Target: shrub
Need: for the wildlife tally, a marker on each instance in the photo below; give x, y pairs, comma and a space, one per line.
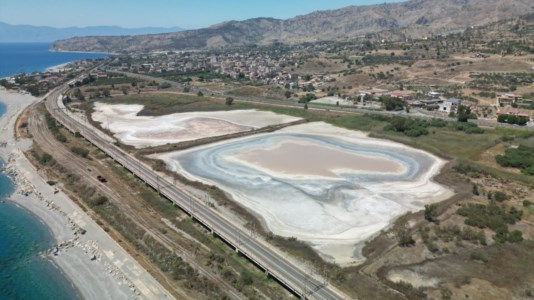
515, 236
500, 196
165, 85
431, 212
99, 201
405, 239
307, 98
60, 137
521, 158
45, 159
469, 128
80, 151
479, 256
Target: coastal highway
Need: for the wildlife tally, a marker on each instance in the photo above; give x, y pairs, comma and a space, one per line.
298, 281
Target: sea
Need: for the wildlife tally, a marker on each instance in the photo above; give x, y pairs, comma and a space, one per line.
18, 58
24, 272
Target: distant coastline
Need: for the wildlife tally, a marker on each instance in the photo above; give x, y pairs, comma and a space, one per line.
36, 57
82, 52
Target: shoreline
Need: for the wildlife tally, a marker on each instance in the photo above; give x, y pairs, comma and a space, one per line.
87, 52
57, 68
95, 264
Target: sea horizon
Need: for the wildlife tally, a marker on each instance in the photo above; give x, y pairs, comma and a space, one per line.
16, 58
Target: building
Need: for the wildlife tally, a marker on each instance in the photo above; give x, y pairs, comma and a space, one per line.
404, 95
508, 99
514, 113
450, 105
434, 95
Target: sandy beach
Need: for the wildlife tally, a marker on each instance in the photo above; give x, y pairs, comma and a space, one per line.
96, 265
58, 68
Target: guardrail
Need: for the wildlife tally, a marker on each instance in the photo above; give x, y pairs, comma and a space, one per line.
188, 204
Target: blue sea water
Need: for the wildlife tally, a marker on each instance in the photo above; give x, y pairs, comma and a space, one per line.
34, 57
24, 274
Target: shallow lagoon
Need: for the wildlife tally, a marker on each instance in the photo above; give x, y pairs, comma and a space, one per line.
331, 187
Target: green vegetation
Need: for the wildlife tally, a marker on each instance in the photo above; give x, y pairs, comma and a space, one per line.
454, 232
307, 98
156, 105
510, 119
494, 217
500, 196
464, 113
469, 128
80, 151
164, 85
521, 157
413, 127
405, 239
392, 103
44, 159
53, 126
501, 82
431, 212
115, 80
479, 256
387, 59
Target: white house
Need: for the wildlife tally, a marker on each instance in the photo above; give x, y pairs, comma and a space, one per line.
450, 105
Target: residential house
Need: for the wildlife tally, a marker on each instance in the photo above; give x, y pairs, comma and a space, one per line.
450, 106
507, 99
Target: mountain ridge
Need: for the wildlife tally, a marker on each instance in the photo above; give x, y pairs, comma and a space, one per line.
416, 18
28, 33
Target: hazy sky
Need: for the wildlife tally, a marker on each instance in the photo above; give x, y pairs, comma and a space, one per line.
160, 13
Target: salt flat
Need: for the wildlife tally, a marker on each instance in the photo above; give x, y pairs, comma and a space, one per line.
328, 186
144, 131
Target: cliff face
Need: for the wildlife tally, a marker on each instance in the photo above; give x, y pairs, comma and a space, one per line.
416, 18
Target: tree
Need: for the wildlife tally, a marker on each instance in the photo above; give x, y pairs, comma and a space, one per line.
391, 103
229, 101
305, 105
200, 94
464, 113
288, 94
307, 98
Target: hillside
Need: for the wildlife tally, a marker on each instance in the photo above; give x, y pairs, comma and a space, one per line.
416, 18
27, 33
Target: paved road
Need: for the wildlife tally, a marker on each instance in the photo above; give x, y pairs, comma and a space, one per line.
255, 249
